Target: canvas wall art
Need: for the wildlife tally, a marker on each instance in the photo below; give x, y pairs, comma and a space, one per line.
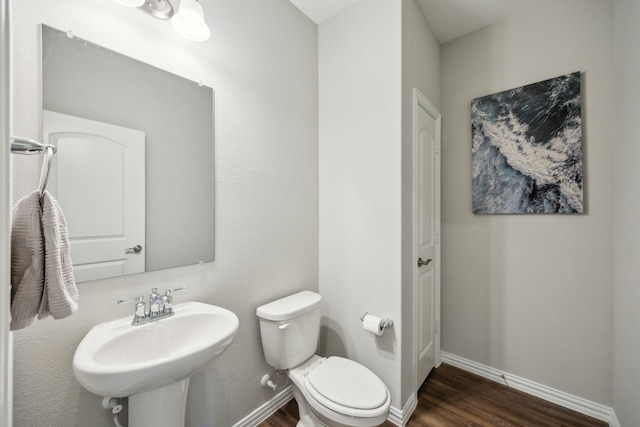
527, 149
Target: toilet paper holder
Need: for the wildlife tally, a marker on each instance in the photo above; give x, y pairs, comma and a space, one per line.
386, 323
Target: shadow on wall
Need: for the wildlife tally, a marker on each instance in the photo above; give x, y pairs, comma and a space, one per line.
331, 332
209, 389
385, 342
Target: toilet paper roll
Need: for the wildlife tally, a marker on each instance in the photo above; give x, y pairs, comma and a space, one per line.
373, 324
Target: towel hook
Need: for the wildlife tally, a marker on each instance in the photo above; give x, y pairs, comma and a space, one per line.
46, 166
21, 145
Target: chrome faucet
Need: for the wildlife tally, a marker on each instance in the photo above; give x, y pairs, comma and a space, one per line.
166, 300
160, 306
139, 314
154, 303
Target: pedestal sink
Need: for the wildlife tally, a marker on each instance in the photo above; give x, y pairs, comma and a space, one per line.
152, 363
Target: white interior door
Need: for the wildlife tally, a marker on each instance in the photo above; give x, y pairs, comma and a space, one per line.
426, 234
98, 177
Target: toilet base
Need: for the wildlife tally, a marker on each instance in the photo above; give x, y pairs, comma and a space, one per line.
306, 417
311, 418
305, 423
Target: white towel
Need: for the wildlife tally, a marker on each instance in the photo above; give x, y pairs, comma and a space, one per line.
27, 261
41, 268
60, 298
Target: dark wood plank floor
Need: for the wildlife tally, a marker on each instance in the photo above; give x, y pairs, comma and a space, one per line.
452, 397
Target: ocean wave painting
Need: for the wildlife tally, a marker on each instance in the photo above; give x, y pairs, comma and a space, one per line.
527, 149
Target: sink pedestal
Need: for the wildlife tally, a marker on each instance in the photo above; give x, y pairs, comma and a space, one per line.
162, 407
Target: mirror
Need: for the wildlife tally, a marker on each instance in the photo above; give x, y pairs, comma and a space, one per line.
158, 188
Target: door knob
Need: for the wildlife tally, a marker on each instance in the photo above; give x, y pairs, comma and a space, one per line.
421, 262
136, 249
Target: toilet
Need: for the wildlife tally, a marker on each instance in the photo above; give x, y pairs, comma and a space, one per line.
333, 391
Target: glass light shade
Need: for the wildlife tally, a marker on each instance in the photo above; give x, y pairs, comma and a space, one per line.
189, 21
130, 3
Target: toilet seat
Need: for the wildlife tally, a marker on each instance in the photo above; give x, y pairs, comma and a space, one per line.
348, 388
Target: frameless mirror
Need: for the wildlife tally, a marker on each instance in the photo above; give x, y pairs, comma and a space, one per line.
134, 168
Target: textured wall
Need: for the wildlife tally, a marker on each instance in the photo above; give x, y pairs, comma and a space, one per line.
421, 69
262, 63
531, 294
626, 375
360, 165
371, 57
5, 207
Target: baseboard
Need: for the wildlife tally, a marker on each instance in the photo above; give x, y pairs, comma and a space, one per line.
578, 404
401, 417
267, 409
396, 416
614, 420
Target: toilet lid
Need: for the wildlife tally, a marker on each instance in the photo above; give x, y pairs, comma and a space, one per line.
347, 383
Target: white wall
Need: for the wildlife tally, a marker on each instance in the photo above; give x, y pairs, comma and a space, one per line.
532, 294
262, 63
371, 56
528, 294
360, 190
626, 375
6, 354
421, 69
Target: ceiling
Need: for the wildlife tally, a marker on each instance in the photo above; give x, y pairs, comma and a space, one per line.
449, 19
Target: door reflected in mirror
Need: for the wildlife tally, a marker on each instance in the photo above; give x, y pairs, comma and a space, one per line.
135, 160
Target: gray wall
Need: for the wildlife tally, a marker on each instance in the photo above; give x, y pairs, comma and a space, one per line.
5, 208
531, 294
261, 61
359, 172
626, 375
366, 179
421, 69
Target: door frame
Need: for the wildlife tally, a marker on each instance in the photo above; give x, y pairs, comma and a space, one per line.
6, 351
421, 102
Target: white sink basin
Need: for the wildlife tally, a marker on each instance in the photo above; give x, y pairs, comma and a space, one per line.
117, 359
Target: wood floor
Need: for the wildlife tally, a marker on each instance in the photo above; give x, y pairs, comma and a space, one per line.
452, 397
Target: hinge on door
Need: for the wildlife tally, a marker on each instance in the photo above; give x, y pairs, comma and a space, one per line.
436, 327
437, 149
437, 237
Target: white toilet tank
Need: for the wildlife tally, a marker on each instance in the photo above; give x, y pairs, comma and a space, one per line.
289, 328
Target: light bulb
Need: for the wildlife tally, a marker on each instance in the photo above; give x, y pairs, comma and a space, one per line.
130, 3
189, 21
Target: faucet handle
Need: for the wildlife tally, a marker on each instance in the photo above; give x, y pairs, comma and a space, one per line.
140, 307
169, 292
166, 300
154, 302
137, 299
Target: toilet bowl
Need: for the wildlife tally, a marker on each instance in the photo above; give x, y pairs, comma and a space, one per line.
334, 391
339, 392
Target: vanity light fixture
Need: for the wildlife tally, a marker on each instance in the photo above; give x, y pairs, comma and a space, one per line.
130, 3
188, 21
